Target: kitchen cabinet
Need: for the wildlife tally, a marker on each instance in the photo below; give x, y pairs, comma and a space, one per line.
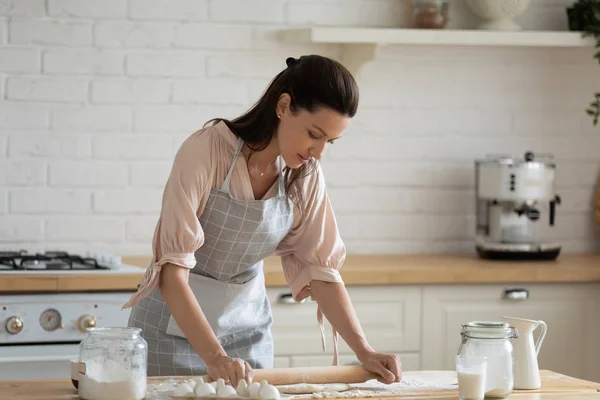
422, 323
389, 315
282, 362
569, 310
36, 361
410, 361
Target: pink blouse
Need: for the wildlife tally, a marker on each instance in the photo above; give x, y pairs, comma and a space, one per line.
312, 250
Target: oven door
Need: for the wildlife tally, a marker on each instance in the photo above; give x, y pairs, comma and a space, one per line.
45, 361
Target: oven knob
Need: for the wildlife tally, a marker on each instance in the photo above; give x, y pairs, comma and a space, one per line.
86, 321
14, 325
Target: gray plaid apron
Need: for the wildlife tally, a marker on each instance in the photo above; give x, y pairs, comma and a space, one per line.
228, 282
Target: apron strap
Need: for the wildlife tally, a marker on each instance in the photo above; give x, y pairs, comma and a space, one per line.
225, 187
324, 342
280, 179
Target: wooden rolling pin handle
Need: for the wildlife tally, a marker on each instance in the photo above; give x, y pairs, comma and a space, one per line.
288, 376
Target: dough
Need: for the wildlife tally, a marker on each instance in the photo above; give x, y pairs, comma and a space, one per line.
307, 388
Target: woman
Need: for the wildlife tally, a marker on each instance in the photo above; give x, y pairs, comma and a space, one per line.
239, 191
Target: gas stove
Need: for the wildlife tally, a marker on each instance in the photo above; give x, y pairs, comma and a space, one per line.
40, 332
21, 262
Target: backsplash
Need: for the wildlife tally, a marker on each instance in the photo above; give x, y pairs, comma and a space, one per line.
98, 95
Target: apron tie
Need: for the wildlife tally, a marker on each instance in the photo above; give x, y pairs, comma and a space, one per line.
147, 285
323, 341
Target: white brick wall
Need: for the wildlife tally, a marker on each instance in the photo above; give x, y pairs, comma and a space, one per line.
22, 173
252, 11
130, 91
97, 96
87, 174
84, 229
86, 8
180, 10
23, 8
71, 33
128, 201
46, 201
56, 90
19, 60
3, 201
29, 145
83, 62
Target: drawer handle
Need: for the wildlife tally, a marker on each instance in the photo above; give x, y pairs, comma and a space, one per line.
287, 298
515, 294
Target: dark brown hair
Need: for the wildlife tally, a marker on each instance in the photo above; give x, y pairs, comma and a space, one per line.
312, 81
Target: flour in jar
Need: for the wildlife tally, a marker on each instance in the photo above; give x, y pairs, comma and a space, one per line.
110, 380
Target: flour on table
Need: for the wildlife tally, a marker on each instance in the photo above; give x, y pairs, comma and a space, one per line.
413, 383
164, 389
308, 388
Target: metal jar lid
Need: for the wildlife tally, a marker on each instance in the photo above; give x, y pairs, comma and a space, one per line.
488, 330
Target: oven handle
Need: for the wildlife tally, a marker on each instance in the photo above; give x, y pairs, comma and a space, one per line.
38, 358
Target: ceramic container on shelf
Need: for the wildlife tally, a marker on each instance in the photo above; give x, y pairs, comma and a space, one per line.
430, 14
498, 15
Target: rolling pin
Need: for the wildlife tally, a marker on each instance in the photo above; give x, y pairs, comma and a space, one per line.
289, 376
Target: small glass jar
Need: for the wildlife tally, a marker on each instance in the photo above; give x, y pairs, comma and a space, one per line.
430, 14
113, 364
492, 340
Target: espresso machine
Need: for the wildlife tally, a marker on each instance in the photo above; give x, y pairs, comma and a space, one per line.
510, 194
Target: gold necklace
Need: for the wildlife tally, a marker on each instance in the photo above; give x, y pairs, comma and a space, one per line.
258, 171
247, 157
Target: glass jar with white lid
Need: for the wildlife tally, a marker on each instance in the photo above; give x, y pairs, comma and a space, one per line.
492, 340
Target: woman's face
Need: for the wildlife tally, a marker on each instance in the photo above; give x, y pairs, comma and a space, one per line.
304, 135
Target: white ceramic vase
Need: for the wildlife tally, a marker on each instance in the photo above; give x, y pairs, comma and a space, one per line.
498, 15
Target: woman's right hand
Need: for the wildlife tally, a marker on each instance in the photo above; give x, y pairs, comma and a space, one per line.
230, 369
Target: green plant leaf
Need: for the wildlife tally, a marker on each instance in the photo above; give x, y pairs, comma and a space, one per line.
587, 14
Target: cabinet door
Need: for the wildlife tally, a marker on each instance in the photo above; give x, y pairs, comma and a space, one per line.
567, 309
410, 361
282, 362
390, 317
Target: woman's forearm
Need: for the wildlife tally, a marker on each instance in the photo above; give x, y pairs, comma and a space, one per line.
188, 314
334, 301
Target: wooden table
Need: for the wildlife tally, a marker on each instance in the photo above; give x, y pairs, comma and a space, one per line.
554, 386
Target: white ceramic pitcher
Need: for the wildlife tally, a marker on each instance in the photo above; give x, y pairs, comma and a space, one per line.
527, 372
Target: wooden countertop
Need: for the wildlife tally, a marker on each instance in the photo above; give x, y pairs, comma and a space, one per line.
444, 269
554, 386
57, 283
357, 270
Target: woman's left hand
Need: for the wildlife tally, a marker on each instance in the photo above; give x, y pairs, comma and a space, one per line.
387, 366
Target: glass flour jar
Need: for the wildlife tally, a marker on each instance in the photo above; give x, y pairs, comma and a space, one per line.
113, 364
492, 340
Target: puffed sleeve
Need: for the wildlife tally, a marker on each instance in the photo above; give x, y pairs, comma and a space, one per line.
313, 249
178, 233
